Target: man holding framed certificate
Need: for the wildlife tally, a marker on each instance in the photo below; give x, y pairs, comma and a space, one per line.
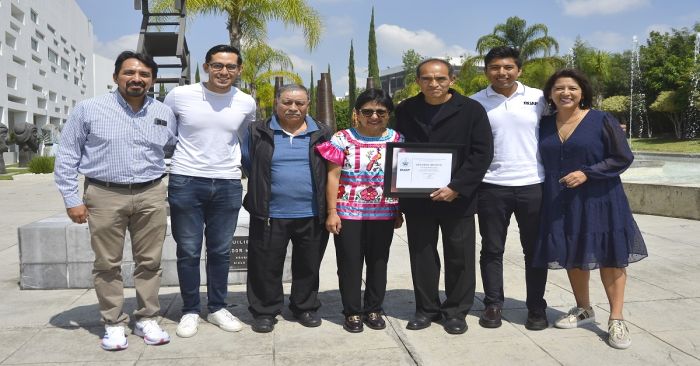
450, 127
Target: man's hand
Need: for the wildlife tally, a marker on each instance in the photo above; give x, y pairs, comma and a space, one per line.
573, 179
444, 194
78, 214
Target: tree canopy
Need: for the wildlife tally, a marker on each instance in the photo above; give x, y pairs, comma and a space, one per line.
531, 41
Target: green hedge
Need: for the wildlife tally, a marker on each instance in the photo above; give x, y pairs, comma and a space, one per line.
42, 164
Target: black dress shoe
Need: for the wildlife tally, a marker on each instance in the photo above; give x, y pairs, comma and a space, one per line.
264, 324
353, 324
455, 326
308, 319
491, 317
421, 322
536, 320
374, 320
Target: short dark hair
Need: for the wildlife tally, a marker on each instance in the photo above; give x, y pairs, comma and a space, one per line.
450, 68
144, 58
503, 52
581, 80
378, 96
223, 48
291, 87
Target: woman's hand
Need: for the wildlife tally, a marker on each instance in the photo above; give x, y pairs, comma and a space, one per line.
333, 224
573, 179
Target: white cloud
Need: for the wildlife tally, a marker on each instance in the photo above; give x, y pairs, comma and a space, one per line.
294, 41
609, 41
600, 7
113, 48
393, 41
339, 25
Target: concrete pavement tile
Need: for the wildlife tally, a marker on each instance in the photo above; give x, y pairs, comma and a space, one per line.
594, 350
84, 363
34, 308
670, 276
72, 345
349, 356
210, 341
685, 340
485, 352
12, 339
330, 337
231, 359
665, 315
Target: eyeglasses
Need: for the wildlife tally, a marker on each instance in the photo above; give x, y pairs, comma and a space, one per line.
216, 66
367, 112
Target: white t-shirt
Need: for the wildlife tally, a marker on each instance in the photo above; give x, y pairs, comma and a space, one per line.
515, 126
209, 126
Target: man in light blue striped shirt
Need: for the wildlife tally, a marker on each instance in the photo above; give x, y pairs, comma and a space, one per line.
116, 141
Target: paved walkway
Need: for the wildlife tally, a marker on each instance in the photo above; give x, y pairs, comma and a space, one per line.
662, 308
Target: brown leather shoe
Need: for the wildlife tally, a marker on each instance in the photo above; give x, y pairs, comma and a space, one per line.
374, 320
491, 317
353, 324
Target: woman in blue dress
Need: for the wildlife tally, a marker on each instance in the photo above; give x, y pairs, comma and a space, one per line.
586, 220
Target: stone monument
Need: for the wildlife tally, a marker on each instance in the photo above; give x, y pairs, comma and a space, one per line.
27, 140
3, 147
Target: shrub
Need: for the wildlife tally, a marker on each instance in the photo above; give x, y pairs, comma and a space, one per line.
41, 164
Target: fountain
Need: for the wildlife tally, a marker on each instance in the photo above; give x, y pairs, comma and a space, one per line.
570, 59
639, 120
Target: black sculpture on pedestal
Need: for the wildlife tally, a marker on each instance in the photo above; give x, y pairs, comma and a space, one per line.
27, 140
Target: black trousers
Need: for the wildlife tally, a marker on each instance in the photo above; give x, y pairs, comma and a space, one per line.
495, 206
368, 242
458, 243
267, 248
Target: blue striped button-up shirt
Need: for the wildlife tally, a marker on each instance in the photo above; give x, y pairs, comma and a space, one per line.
104, 139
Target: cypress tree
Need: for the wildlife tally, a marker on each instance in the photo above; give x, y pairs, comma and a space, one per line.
196, 74
352, 87
372, 62
312, 94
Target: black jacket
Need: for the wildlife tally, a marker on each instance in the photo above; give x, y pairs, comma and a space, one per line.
460, 121
260, 148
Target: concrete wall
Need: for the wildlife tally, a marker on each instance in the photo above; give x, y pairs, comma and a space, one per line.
664, 200
55, 253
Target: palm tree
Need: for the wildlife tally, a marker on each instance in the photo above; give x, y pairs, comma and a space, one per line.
531, 40
247, 19
260, 59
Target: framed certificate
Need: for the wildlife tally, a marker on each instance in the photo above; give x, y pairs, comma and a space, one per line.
418, 169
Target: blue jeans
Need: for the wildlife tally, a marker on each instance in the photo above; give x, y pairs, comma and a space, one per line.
209, 206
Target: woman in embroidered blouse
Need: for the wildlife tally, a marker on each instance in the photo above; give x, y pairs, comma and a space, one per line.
360, 217
586, 220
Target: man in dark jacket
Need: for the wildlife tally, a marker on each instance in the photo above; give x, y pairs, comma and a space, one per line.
441, 115
286, 201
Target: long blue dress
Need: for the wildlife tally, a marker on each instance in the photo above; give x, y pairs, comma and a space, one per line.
589, 226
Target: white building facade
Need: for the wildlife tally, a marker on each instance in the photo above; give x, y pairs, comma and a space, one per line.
46, 62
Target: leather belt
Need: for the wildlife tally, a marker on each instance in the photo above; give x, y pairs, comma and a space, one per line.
123, 185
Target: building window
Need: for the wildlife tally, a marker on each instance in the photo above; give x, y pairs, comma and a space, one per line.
75, 80
35, 44
53, 56
33, 16
10, 40
42, 73
50, 28
65, 66
52, 96
14, 27
41, 103
39, 35
36, 59
53, 69
82, 59
17, 14
18, 60
11, 81
64, 41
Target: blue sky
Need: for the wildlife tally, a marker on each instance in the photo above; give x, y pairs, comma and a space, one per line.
433, 28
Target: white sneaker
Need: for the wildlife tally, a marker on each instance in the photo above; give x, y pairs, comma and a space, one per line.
114, 338
225, 320
618, 334
151, 332
575, 318
188, 325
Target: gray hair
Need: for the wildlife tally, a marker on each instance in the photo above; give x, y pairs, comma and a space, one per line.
291, 87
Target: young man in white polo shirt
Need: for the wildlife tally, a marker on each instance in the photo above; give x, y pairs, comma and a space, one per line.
512, 185
205, 188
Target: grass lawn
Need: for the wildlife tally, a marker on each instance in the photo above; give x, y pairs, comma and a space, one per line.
668, 145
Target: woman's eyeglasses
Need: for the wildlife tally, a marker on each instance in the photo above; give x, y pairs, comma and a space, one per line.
367, 112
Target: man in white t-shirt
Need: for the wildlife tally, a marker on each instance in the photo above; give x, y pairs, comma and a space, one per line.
205, 188
512, 184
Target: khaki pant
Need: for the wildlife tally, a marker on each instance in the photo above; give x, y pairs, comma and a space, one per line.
111, 211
